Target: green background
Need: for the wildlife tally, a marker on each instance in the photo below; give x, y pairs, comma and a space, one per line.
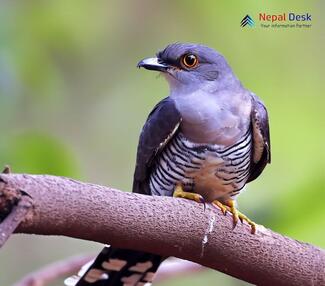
72, 103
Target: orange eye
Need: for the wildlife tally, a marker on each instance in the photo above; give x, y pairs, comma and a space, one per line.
190, 61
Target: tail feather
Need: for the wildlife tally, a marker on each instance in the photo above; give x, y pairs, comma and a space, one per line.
121, 267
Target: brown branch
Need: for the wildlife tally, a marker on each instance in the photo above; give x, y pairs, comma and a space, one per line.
169, 227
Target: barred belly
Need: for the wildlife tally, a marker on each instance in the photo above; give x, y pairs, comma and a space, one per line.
215, 172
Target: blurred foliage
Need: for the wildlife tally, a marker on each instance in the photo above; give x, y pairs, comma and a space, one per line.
72, 103
38, 153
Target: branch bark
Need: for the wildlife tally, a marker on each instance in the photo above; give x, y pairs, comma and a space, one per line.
166, 226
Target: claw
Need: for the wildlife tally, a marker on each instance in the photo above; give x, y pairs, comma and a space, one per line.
243, 218
180, 193
237, 215
222, 207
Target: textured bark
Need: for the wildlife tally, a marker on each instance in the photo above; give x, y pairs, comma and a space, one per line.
169, 227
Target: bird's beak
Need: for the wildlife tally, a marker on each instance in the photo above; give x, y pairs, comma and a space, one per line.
152, 64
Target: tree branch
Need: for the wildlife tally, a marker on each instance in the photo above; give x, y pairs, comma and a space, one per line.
166, 226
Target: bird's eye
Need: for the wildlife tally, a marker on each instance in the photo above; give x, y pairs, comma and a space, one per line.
189, 61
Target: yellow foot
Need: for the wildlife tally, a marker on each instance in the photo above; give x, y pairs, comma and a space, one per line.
180, 193
223, 207
237, 215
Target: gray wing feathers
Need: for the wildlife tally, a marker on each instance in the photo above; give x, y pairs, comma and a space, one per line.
261, 138
161, 125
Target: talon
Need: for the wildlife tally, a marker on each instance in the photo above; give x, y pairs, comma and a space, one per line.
238, 215
180, 193
202, 200
222, 207
243, 218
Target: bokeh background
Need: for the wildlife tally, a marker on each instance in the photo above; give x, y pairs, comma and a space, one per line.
72, 103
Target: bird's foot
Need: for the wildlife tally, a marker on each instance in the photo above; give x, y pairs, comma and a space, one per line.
180, 193
223, 207
229, 206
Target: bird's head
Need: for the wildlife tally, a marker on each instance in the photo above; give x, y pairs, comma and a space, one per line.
191, 65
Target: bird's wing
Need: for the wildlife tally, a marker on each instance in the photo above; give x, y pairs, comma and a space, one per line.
160, 127
261, 138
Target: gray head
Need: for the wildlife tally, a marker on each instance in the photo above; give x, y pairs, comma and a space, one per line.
191, 65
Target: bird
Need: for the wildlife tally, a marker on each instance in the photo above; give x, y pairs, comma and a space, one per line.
203, 142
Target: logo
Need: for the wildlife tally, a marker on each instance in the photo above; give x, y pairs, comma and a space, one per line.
275, 21
247, 20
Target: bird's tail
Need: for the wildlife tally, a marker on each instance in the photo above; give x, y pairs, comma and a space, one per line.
119, 267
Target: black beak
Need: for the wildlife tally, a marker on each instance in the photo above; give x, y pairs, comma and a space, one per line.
152, 64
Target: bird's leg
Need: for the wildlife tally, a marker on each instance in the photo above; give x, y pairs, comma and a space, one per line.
180, 193
238, 215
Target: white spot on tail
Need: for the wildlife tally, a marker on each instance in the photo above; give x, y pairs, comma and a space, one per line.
73, 280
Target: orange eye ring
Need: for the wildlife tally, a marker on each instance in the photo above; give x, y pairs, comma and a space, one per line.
190, 61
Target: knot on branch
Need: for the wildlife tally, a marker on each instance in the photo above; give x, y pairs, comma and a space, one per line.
9, 197
14, 206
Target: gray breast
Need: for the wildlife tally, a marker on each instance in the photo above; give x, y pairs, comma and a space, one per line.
215, 172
